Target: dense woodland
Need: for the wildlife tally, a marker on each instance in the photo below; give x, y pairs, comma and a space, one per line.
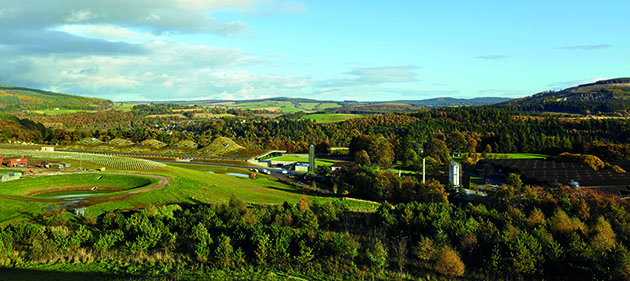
464, 129
523, 232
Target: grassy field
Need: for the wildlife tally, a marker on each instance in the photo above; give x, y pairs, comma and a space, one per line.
331, 118
33, 185
308, 105
58, 111
126, 107
327, 105
303, 159
285, 107
190, 184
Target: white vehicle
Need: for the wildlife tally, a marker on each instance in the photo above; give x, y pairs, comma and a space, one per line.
266, 172
284, 172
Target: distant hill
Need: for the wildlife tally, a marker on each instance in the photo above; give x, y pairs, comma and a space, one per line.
14, 98
602, 97
289, 105
444, 102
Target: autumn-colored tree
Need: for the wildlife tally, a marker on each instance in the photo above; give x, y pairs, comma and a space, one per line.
603, 235
449, 263
488, 149
303, 204
432, 191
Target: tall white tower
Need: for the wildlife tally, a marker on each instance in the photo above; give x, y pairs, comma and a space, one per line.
455, 173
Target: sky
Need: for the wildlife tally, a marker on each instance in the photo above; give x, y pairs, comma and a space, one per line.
374, 50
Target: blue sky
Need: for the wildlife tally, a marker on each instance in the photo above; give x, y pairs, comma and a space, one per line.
333, 50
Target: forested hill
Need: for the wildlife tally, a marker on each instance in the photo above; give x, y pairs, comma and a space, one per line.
445, 102
14, 98
15, 129
602, 97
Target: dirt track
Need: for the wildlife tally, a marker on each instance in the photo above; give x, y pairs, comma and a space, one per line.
92, 200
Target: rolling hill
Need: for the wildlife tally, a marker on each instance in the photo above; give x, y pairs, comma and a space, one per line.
290, 105
14, 98
602, 97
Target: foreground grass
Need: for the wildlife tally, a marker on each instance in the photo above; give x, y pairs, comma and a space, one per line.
103, 272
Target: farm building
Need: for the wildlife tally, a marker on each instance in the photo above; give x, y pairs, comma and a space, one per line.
17, 162
10, 177
47, 148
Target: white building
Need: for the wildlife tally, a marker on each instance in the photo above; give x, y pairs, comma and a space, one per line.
455, 174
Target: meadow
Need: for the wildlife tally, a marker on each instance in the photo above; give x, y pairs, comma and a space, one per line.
331, 117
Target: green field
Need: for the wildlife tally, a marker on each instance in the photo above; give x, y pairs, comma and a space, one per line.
190, 184
284, 107
308, 105
58, 111
327, 105
33, 185
126, 107
331, 117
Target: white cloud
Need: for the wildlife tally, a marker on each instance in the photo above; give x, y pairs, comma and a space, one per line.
81, 15
559, 85
107, 32
586, 47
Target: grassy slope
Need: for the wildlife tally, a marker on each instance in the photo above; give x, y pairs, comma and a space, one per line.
38, 99
202, 187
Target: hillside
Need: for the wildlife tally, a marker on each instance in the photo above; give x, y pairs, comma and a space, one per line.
602, 97
14, 129
14, 98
